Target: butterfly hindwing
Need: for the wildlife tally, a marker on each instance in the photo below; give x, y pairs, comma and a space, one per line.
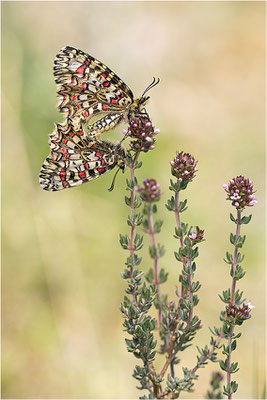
75, 160
55, 175
87, 87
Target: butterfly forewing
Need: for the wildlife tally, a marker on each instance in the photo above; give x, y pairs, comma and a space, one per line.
87, 87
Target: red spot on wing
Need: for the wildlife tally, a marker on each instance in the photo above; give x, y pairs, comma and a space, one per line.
64, 141
67, 156
74, 97
105, 107
81, 174
106, 83
104, 75
114, 101
79, 106
86, 113
71, 134
100, 169
86, 165
65, 183
84, 85
62, 174
64, 150
80, 133
81, 69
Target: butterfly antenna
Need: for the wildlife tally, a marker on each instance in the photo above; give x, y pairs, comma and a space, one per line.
151, 85
113, 181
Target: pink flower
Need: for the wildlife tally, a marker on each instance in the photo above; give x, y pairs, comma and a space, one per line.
240, 192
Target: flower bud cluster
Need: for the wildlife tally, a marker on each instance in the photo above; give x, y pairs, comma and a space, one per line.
151, 190
238, 314
183, 167
196, 235
141, 129
240, 192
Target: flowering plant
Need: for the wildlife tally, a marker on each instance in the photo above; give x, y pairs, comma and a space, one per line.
177, 323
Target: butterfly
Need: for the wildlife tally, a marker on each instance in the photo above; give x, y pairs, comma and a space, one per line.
86, 88
75, 158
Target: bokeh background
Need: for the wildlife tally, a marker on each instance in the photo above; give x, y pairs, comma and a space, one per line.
61, 286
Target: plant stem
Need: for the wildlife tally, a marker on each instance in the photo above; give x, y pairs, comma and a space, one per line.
178, 222
238, 227
208, 356
156, 262
232, 301
169, 359
133, 228
190, 293
177, 214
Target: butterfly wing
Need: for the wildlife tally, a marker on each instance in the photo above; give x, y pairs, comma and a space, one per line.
74, 159
56, 175
87, 87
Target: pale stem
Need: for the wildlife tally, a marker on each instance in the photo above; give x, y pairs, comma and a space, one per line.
178, 222
133, 228
156, 261
208, 356
190, 292
232, 301
156, 386
188, 262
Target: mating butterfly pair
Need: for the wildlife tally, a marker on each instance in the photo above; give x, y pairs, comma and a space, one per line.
86, 88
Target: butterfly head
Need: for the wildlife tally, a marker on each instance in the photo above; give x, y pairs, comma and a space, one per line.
143, 100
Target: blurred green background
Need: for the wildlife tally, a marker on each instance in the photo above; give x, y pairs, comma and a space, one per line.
61, 286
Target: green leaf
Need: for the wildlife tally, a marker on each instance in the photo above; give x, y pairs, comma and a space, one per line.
233, 218
234, 368
233, 346
223, 365
125, 241
153, 252
157, 226
170, 204
229, 258
163, 276
246, 220
128, 201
